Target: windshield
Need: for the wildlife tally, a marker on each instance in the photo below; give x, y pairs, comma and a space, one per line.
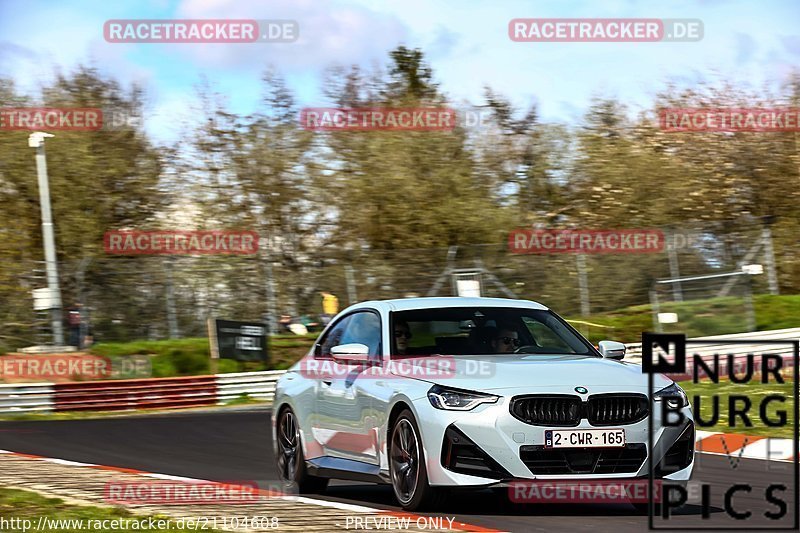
484, 330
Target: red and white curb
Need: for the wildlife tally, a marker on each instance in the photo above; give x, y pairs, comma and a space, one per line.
746, 446
713, 443
350, 508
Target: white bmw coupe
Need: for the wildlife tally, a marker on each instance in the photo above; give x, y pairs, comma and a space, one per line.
428, 394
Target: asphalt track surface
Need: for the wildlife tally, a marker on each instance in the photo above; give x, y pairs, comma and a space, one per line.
235, 445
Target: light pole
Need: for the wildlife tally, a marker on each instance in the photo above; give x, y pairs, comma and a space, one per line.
36, 140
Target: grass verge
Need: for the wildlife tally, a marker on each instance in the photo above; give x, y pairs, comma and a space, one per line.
756, 392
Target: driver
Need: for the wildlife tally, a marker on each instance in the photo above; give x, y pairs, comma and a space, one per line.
505, 341
402, 333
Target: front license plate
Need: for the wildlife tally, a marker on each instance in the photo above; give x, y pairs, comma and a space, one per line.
584, 438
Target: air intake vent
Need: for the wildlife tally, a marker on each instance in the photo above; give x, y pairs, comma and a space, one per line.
679, 455
565, 410
616, 409
549, 461
562, 410
460, 454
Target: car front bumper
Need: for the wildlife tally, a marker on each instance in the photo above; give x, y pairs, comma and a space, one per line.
502, 437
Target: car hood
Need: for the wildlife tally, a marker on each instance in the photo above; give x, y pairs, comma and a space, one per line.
523, 371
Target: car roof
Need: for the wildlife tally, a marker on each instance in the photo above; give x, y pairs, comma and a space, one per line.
408, 304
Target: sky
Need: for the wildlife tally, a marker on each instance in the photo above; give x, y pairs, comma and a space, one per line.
755, 44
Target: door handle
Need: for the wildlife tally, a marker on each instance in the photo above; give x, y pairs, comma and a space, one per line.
327, 382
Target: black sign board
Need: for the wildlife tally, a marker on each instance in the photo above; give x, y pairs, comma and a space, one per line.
243, 341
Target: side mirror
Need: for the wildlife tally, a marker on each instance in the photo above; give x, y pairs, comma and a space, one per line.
611, 349
351, 353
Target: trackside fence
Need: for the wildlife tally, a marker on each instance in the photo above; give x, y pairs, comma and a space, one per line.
720, 345
133, 394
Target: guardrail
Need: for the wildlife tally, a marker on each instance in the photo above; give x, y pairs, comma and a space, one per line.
634, 350
21, 397
132, 394
258, 385
125, 394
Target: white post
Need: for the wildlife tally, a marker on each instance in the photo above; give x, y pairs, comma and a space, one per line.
583, 284
674, 270
272, 325
769, 259
172, 313
36, 140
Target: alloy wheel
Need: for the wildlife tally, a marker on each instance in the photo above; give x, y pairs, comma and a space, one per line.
404, 460
288, 440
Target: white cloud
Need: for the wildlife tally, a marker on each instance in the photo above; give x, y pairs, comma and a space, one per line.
465, 42
330, 33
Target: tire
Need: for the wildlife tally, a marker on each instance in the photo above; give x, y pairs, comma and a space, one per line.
289, 458
408, 473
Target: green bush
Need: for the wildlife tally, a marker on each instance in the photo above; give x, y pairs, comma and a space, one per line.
163, 367
190, 357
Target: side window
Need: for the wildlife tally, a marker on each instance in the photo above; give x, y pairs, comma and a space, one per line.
334, 336
364, 328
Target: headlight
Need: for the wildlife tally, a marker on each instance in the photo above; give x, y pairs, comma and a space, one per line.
673, 394
458, 400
